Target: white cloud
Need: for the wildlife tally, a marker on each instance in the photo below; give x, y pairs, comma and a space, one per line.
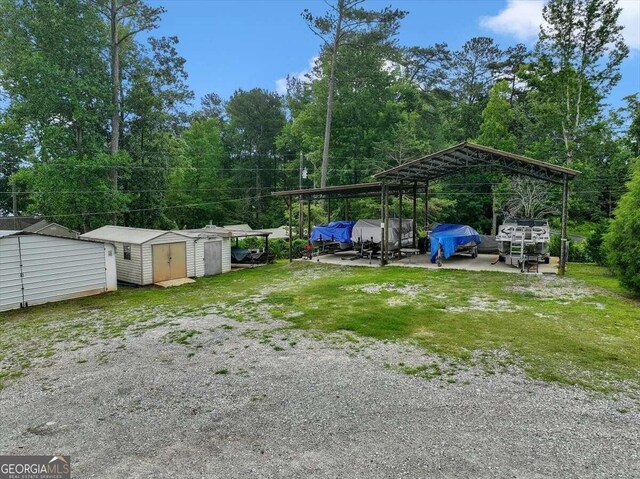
281, 83
522, 19
630, 18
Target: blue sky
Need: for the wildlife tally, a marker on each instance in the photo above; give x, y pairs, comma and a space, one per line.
253, 43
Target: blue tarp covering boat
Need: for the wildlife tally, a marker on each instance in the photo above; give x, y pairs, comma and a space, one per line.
339, 231
449, 237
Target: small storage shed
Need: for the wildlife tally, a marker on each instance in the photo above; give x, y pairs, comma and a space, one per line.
51, 229
212, 250
37, 268
146, 256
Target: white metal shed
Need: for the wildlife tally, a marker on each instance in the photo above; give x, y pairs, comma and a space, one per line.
146, 256
212, 250
37, 268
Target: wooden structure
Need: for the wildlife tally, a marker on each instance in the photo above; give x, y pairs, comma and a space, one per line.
457, 159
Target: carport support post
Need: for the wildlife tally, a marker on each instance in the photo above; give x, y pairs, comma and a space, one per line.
563, 228
400, 195
385, 239
290, 235
384, 223
300, 217
381, 224
309, 217
415, 193
426, 206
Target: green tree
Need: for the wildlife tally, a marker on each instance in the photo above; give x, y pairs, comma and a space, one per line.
497, 117
14, 151
621, 242
202, 183
579, 53
471, 78
125, 19
74, 192
54, 76
344, 21
153, 101
495, 132
256, 117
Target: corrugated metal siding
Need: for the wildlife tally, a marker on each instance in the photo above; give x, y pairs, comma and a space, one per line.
10, 282
55, 268
52, 269
129, 270
226, 255
147, 255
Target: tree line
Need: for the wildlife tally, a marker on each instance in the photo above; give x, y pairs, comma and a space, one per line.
97, 124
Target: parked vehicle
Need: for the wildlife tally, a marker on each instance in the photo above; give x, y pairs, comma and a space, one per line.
523, 240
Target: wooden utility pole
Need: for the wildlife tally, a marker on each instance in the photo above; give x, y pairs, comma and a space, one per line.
14, 196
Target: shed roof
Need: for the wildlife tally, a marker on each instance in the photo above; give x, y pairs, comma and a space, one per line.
17, 222
124, 234
238, 227
282, 232
6, 233
35, 227
205, 233
465, 155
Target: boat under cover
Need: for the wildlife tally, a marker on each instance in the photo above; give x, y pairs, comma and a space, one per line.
449, 237
338, 231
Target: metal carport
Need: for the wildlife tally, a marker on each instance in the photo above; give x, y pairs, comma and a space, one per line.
450, 161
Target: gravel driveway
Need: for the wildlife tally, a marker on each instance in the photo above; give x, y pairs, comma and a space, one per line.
239, 400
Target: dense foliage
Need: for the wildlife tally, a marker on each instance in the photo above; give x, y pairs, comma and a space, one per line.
621, 242
159, 162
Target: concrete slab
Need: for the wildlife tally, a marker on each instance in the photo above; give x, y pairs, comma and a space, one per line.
175, 282
484, 262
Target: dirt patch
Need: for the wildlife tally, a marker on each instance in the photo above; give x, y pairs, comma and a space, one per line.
552, 288
409, 290
485, 303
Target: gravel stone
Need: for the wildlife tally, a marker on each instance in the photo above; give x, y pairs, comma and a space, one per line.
142, 407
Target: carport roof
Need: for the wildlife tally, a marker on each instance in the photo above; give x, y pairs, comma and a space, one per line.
465, 155
342, 191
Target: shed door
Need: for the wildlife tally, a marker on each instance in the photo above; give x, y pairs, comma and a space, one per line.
169, 261
212, 258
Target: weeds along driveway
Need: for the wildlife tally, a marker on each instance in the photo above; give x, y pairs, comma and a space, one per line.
199, 394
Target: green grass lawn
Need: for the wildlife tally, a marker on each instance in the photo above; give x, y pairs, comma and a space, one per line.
581, 329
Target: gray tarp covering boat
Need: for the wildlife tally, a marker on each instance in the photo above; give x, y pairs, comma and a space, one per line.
369, 231
489, 245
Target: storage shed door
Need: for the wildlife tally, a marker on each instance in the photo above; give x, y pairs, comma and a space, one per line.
169, 261
212, 258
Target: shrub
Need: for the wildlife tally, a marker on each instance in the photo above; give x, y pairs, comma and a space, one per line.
279, 247
593, 245
577, 251
622, 242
